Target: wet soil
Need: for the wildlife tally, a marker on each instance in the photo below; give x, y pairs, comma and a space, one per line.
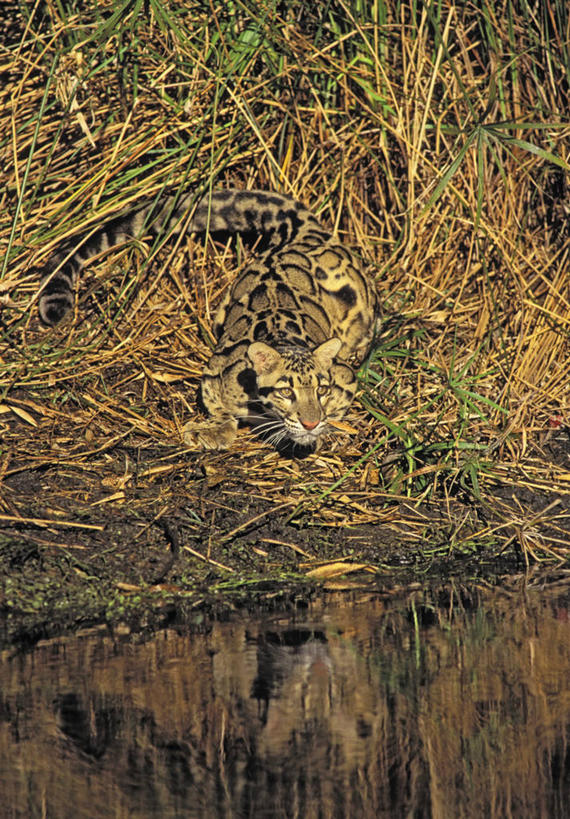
73, 551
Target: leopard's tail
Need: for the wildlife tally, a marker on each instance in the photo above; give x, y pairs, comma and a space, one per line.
278, 219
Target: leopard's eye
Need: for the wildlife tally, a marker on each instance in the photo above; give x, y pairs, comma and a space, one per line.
285, 392
323, 389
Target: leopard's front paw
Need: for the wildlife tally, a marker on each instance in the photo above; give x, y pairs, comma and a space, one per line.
210, 435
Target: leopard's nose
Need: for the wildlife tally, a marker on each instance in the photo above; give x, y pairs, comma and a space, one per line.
309, 424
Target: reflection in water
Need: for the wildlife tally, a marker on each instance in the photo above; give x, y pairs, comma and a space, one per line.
444, 704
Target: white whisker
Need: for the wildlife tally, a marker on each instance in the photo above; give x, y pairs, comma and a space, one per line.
277, 431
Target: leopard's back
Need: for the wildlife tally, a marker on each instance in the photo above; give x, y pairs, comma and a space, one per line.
306, 290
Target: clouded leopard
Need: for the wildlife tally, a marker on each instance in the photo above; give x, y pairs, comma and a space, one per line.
290, 328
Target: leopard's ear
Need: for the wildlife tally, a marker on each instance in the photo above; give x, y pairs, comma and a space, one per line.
325, 352
264, 358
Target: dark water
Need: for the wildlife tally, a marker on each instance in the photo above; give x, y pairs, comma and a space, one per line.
444, 703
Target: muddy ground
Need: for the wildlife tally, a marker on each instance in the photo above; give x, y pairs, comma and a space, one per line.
127, 539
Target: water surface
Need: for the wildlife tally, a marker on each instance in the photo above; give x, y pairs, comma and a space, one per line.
447, 703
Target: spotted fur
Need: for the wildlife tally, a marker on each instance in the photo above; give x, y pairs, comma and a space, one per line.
289, 331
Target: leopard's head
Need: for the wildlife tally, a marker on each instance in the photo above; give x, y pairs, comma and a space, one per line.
299, 391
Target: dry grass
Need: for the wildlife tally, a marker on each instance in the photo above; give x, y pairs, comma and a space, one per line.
436, 144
